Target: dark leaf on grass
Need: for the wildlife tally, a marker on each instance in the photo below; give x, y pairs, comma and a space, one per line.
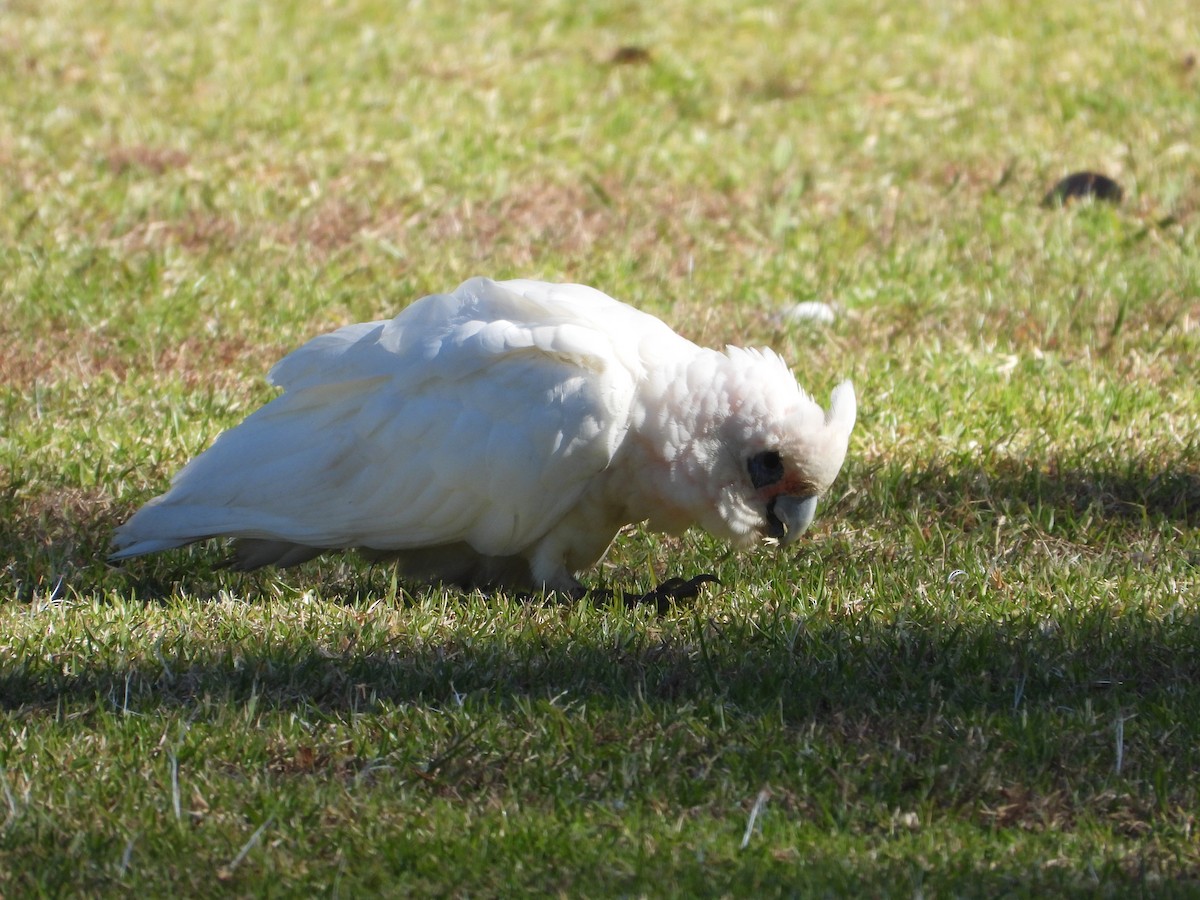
630, 55
1083, 184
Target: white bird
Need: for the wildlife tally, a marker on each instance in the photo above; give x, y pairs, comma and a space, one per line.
502, 435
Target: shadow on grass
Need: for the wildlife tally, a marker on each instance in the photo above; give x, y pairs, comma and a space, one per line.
798, 666
1133, 493
778, 663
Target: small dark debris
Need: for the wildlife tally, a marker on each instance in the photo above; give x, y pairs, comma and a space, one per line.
662, 598
630, 55
671, 592
1083, 184
1188, 63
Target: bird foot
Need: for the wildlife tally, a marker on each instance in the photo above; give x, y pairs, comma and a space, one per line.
663, 597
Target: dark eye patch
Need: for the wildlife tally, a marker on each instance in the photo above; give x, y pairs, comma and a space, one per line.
765, 468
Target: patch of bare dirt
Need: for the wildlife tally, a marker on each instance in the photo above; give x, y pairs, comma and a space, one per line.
198, 231
1017, 806
665, 226
52, 358
529, 223
155, 160
658, 223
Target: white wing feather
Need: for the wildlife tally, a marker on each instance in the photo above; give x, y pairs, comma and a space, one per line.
477, 417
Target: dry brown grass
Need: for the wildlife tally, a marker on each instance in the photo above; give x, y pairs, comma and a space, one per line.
661, 225
153, 160
59, 357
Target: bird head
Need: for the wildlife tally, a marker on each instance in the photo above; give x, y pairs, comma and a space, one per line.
804, 458
773, 451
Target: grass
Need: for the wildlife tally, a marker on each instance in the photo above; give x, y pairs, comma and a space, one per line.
978, 677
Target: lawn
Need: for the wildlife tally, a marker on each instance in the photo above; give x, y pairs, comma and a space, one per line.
978, 675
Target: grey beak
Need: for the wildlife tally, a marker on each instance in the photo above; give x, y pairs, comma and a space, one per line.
792, 515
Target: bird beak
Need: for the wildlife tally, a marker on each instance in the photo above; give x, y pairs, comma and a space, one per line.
789, 517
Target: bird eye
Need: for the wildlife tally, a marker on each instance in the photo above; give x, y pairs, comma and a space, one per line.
765, 468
